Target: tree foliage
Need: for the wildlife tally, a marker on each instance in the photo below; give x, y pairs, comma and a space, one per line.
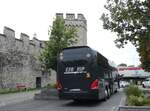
130, 20
61, 37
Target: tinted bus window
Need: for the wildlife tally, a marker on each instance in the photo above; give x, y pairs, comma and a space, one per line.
76, 54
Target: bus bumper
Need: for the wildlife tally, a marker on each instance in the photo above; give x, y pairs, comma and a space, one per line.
92, 95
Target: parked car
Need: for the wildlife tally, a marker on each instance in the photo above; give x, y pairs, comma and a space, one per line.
146, 83
124, 84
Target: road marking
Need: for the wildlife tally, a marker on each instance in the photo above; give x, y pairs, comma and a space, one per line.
122, 101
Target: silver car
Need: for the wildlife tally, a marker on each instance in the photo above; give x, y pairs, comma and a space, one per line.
146, 83
124, 84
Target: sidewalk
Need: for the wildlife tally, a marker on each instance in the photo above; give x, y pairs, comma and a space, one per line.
6, 99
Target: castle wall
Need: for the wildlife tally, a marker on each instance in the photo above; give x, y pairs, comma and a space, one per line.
2, 41
19, 60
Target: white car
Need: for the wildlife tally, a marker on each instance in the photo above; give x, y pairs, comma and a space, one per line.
124, 83
146, 83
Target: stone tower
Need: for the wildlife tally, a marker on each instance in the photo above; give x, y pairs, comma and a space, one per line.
79, 23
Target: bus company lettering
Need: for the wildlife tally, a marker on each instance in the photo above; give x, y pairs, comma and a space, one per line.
74, 70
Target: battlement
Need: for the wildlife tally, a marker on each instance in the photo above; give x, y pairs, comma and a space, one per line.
24, 44
81, 17
59, 15
24, 36
71, 16
9, 32
72, 20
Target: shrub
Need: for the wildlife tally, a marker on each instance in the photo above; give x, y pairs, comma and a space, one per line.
138, 101
135, 96
14, 90
30, 89
135, 101
51, 86
133, 90
8, 90
147, 101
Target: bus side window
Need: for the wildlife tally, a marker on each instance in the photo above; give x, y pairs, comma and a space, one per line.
100, 71
106, 75
110, 74
115, 76
102, 75
99, 68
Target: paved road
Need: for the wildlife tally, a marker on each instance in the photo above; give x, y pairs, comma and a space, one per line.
65, 105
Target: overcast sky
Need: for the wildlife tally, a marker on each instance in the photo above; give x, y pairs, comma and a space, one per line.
35, 16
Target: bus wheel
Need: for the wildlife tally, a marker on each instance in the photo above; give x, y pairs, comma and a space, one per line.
106, 95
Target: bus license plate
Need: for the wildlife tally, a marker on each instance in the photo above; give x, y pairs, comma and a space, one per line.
75, 89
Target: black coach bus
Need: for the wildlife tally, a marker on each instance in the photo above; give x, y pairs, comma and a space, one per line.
83, 73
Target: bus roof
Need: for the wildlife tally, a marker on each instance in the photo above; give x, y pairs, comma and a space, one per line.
98, 54
74, 47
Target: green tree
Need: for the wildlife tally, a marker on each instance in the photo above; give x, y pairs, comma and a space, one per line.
130, 20
60, 36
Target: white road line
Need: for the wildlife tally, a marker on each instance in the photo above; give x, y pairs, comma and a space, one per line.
122, 101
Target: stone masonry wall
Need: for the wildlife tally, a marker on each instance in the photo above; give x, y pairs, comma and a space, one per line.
19, 60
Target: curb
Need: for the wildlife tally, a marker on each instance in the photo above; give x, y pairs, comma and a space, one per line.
134, 108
